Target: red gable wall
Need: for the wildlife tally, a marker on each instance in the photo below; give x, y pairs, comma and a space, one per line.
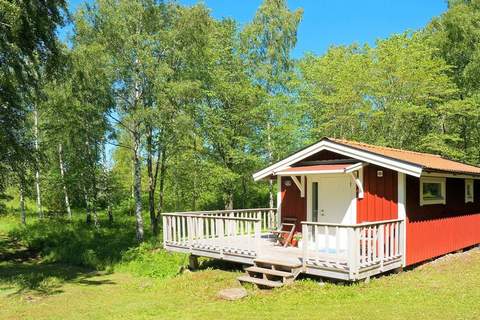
380, 195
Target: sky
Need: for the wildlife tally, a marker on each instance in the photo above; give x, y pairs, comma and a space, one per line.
326, 23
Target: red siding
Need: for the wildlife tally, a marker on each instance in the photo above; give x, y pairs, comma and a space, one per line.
380, 195
293, 206
434, 230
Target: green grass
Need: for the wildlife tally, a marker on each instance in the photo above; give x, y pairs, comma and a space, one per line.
143, 285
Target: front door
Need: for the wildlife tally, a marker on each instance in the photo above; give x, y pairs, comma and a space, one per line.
332, 199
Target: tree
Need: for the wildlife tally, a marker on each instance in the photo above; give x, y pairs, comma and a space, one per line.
455, 36
267, 44
27, 43
392, 94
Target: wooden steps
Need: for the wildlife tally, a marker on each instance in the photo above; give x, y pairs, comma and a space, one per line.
260, 282
271, 273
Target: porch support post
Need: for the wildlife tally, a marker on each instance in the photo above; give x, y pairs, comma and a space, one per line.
279, 201
193, 262
402, 214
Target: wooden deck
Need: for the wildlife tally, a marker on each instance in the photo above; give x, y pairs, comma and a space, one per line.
347, 252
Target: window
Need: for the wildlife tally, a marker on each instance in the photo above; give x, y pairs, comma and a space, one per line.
468, 190
432, 191
315, 201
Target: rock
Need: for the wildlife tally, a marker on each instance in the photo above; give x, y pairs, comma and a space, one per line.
232, 294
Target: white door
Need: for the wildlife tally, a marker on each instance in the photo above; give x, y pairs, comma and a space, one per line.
331, 200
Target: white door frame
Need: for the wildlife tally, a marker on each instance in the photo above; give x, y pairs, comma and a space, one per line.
351, 215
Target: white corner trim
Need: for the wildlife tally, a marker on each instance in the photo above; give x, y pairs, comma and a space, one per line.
402, 212
279, 201
400, 166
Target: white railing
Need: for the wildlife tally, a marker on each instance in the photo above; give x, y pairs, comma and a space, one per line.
268, 216
234, 230
360, 245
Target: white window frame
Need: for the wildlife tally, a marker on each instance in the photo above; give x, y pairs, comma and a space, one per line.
442, 190
467, 198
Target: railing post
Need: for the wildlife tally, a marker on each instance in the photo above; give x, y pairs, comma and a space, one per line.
257, 235
190, 231
381, 245
164, 226
353, 248
401, 239
304, 245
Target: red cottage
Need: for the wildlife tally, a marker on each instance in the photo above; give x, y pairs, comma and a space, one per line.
345, 210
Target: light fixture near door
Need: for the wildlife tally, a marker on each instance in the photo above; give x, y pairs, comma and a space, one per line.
379, 173
288, 183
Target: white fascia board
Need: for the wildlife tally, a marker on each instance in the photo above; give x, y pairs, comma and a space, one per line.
400, 166
305, 173
285, 163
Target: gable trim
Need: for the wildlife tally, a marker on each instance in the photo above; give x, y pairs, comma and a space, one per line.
325, 144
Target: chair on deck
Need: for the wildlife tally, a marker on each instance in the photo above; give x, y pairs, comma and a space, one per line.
286, 228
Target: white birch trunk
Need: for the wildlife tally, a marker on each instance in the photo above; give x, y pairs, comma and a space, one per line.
62, 174
37, 171
137, 185
22, 204
270, 160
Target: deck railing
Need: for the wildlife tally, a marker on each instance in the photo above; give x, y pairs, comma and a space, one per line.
199, 228
360, 245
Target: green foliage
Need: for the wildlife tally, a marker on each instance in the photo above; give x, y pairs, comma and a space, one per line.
76, 243
151, 261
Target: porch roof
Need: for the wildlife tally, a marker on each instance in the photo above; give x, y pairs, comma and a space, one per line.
321, 168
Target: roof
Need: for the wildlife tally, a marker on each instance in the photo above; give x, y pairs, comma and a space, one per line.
404, 161
427, 160
319, 168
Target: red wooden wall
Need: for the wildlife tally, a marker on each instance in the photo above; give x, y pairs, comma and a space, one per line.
434, 230
294, 206
380, 195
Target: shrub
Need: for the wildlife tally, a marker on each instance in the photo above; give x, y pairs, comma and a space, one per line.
152, 261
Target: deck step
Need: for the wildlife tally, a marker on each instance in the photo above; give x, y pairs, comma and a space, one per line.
260, 282
272, 272
285, 263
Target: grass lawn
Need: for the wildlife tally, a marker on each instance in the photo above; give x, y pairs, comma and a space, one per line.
448, 288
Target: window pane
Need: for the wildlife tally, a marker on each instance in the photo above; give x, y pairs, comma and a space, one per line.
469, 190
315, 201
432, 191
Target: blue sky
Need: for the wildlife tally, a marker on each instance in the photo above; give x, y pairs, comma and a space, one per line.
327, 23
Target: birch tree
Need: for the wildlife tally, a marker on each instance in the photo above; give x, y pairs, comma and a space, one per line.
267, 44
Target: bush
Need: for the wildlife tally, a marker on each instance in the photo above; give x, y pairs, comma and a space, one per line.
152, 261
77, 243
109, 247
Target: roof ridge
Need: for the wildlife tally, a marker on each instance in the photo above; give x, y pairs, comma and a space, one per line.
385, 147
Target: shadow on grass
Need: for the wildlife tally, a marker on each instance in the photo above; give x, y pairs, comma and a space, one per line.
46, 279
220, 265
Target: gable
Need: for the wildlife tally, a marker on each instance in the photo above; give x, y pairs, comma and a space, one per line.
329, 147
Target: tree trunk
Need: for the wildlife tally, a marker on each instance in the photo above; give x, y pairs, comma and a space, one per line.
37, 167
163, 168
137, 186
151, 182
110, 214
88, 217
62, 173
270, 160
229, 200
23, 215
